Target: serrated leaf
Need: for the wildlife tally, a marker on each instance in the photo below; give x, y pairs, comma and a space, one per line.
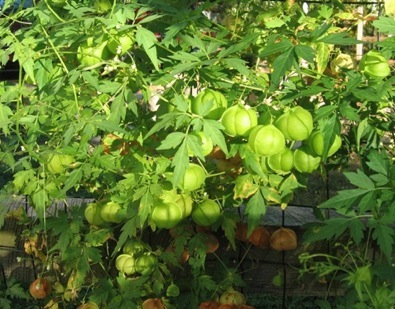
255, 209
22, 177
361, 129
5, 113
40, 202
308, 92
181, 103
147, 40
341, 38
384, 235
331, 228
378, 162
330, 127
244, 187
306, 52
169, 196
165, 121
271, 195
349, 112
108, 126
73, 179
145, 207
320, 31
229, 226
385, 24
281, 65
213, 130
274, 22
289, 185
195, 146
118, 109
173, 30
343, 198
235, 48
360, 179
368, 202
274, 46
172, 141
128, 231
379, 179
322, 57
238, 64
180, 163
357, 230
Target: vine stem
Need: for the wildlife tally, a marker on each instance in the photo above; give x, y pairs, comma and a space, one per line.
53, 12
63, 65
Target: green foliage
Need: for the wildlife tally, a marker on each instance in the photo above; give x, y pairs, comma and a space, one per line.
126, 122
366, 218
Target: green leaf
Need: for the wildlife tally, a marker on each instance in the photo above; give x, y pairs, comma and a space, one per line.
173, 140
128, 231
92, 254
357, 229
164, 122
275, 22
195, 146
145, 207
108, 126
184, 67
213, 129
5, 303
326, 11
238, 64
384, 235
368, 202
305, 52
40, 202
281, 65
340, 38
147, 40
331, 228
344, 198
385, 24
380, 179
289, 184
185, 57
378, 162
308, 92
23, 177
229, 226
360, 179
348, 111
180, 163
173, 30
255, 209
118, 109
17, 291
5, 113
361, 129
330, 127
274, 46
235, 48
73, 180
318, 32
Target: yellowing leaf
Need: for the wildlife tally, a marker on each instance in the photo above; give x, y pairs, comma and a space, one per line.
245, 187
389, 6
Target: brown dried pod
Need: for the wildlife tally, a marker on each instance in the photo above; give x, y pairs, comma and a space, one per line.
283, 239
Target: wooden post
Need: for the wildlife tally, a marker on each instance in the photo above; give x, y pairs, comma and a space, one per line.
359, 47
